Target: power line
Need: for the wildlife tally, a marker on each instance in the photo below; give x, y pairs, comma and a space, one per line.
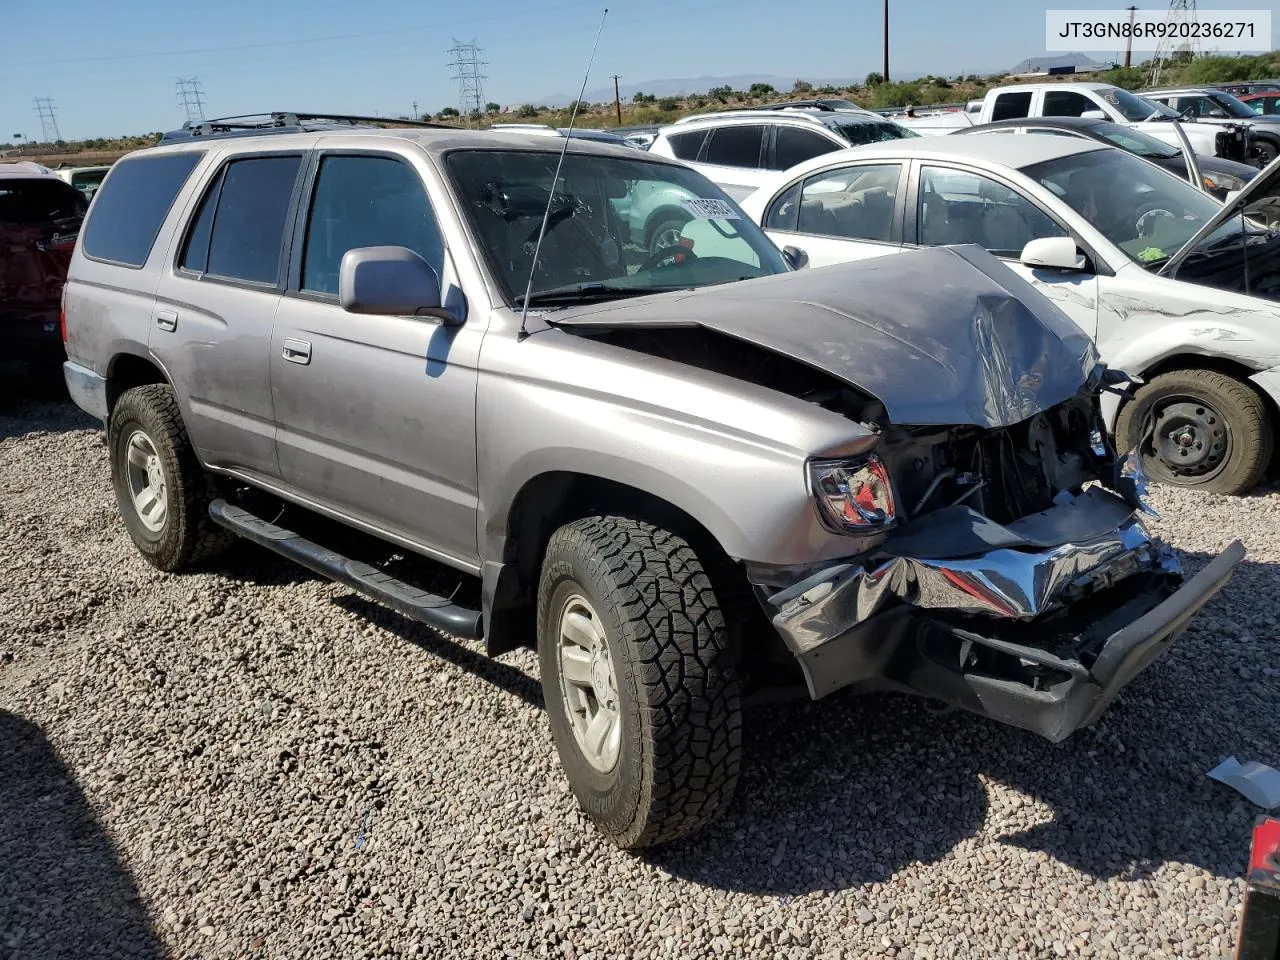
191, 96
48, 121
466, 70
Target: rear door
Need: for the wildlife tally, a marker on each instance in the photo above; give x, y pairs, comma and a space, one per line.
376, 415
733, 158
957, 205
216, 303
853, 212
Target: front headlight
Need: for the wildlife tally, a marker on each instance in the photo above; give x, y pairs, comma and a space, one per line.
854, 496
1222, 181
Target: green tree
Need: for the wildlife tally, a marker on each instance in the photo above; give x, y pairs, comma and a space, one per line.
723, 94
802, 86
668, 103
492, 107
874, 79
527, 110
449, 112
1130, 78
760, 90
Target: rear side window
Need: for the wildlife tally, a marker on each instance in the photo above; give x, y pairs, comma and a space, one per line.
38, 201
794, 145
685, 146
239, 230
132, 204
736, 146
1011, 106
366, 202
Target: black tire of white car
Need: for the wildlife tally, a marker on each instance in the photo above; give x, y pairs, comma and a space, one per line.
665, 659
146, 421
660, 237
1265, 151
1208, 408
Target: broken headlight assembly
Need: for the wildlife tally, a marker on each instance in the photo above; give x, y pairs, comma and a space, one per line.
853, 496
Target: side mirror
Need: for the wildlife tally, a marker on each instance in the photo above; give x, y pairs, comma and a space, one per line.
796, 258
1053, 253
391, 282
1093, 115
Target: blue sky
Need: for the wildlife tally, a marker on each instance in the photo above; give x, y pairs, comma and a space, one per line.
111, 69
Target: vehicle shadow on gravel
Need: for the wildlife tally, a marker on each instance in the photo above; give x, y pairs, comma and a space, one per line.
846, 792
63, 891
21, 415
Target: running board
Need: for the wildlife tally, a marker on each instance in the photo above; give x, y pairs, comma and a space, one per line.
434, 611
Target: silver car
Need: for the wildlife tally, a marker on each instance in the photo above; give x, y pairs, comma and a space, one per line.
683, 475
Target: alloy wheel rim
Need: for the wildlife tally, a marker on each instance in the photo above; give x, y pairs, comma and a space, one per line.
148, 488
589, 684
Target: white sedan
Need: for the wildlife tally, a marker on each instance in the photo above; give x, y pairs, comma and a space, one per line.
1176, 288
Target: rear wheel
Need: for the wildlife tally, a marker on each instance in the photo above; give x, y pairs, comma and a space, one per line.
639, 678
162, 490
1199, 428
1264, 151
666, 234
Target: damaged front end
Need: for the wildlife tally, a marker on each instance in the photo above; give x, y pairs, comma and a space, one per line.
1005, 570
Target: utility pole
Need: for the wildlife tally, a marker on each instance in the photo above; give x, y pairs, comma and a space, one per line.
886, 42
1128, 49
617, 100
415, 110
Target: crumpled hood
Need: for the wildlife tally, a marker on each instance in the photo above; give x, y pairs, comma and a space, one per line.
948, 335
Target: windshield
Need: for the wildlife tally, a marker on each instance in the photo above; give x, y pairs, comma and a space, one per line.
1135, 108
1135, 141
1142, 209
617, 227
858, 132
1232, 106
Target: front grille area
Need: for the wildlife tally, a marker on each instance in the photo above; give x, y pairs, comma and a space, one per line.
1233, 145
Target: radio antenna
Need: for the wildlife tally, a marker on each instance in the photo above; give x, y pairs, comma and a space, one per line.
546, 214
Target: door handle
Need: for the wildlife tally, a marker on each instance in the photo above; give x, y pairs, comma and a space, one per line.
167, 320
296, 351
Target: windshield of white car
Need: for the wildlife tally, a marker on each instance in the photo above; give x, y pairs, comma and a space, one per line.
859, 132
617, 227
1135, 141
1136, 108
1232, 106
1144, 210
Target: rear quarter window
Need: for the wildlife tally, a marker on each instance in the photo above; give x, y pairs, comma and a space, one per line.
131, 206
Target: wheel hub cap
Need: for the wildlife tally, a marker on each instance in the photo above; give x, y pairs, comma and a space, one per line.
588, 684
146, 481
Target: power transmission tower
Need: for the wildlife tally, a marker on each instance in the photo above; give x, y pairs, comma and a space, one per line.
48, 121
466, 65
191, 96
1170, 46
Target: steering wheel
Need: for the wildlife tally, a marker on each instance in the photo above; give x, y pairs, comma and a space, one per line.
677, 254
1145, 225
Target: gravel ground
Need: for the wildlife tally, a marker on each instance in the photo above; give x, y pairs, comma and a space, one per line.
253, 762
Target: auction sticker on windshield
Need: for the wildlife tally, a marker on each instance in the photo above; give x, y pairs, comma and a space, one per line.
710, 209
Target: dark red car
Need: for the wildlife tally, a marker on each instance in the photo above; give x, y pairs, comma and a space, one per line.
1267, 104
40, 217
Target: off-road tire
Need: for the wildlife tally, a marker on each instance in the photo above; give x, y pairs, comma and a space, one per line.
676, 671
1241, 408
188, 536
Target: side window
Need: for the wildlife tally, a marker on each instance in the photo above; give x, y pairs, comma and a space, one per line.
736, 146
794, 145
1066, 103
239, 230
853, 203
132, 205
784, 209
1011, 106
956, 206
366, 202
685, 146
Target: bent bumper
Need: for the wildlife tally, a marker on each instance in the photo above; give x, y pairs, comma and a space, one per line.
87, 389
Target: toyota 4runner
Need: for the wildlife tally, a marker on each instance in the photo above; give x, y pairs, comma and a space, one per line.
677, 474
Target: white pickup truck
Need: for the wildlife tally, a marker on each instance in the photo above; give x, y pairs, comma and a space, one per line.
1101, 100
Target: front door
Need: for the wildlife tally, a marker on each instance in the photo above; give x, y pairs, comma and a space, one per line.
955, 205
376, 415
850, 213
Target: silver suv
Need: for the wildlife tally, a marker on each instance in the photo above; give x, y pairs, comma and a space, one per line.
683, 476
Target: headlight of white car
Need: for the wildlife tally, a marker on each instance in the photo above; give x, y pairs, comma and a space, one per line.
853, 496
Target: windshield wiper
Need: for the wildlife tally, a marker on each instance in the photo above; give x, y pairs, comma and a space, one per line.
588, 292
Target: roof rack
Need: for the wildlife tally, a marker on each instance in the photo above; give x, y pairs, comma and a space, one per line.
282, 120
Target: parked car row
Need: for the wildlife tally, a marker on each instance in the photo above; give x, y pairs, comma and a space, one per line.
683, 472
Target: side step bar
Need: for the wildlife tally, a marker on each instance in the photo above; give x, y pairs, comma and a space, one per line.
415, 604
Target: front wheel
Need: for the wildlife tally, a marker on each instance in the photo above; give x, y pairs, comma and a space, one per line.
162, 490
1199, 428
1264, 151
639, 678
